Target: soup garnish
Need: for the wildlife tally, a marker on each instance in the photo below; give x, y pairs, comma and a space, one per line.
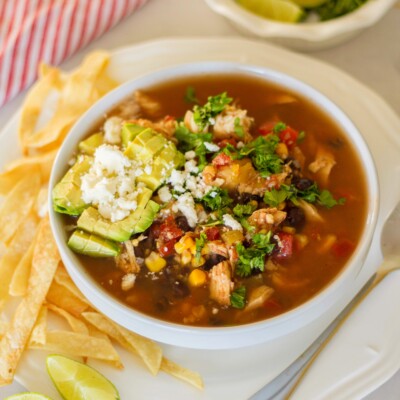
217, 218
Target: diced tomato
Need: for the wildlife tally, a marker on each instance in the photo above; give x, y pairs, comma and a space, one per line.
266, 128
169, 230
343, 248
169, 118
289, 136
166, 249
285, 247
212, 233
221, 160
225, 142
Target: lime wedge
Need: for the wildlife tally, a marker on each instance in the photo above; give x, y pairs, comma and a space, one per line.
27, 396
278, 10
309, 3
78, 381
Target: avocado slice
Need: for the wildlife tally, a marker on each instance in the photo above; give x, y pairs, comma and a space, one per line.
92, 245
91, 221
67, 194
129, 132
147, 217
168, 159
89, 145
145, 146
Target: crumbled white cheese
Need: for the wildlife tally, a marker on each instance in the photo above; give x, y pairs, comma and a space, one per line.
111, 159
112, 130
164, 194
185, 204
231, 222
240, 145
177, 178
128, 281
211, 147
191, 167
189, 155
110, 183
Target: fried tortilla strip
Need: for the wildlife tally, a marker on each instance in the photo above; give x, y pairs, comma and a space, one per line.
38, 335
19, 282
62, 278
60, 296
15, 252
77, 95
78, 344
31, 108
17, 205
174, 369
76, 324
44, 265
16, 170
146, 349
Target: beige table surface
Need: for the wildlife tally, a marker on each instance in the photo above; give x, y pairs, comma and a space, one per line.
372, 57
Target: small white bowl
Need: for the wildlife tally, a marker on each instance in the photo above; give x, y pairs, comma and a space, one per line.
307, 36
214, 337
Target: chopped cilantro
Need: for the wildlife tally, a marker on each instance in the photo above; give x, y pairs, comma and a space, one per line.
275, 197
200, 242
279, 127
267, 164
311, 195
190, 140
216, 199
238, 297
301, 136
241, 210
336, 8
249, 259
190, 95
262, 241
238, 127
214, 106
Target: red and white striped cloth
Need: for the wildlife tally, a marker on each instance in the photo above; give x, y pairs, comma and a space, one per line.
32, 31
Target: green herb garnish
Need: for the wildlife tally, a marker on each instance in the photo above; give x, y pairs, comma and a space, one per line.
204, 115
262, 241
216, 199
200, 243
238, 128
336, 8
241, 210
238, 297
190, 95
249, 260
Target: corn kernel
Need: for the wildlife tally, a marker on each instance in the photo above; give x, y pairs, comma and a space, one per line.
186, 257
197, 278
282, 150
301, 241
154, 262
198, 262
185, 242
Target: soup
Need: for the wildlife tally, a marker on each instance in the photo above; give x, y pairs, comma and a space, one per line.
214, 201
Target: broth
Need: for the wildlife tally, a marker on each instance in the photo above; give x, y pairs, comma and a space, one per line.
296, 279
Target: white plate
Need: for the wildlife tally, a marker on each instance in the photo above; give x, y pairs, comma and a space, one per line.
237, 374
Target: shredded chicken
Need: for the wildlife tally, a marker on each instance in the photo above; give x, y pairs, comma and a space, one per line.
323, 164
229, 121
266, 218
221, 285
148, 105
258, 297
189, 122
310, 211
218, 247
126, 261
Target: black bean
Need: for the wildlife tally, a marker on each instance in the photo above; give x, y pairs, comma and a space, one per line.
244, 198
303, 183
179, 290
182, 223
295, 217
212, 260
162, 304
